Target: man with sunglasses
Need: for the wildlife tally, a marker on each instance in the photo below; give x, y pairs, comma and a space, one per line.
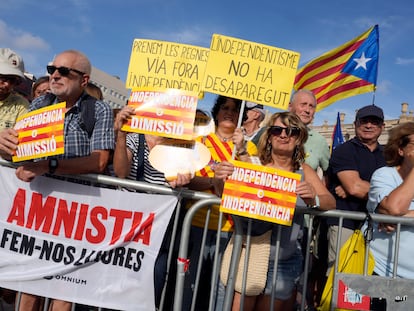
350, 169
84, 153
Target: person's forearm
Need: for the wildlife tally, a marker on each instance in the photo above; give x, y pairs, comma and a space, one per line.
120, 162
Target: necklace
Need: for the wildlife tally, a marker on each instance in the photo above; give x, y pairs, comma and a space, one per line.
225, 139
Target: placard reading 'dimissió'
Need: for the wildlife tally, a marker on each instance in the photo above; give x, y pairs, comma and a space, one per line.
40, 133
166, 65
167, 113
260, 192
250, 71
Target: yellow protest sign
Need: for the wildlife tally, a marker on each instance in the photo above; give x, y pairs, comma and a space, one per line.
250, 71
166, 65
168, 113
40, 133
260, 192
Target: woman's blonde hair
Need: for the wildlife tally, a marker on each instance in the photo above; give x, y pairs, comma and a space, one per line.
289, 119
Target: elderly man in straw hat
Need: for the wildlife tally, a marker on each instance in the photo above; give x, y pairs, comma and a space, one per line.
12, 104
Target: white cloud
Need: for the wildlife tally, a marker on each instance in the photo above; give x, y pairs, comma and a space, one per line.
404, 61
21, 40
384, 87
195, 36
30, 47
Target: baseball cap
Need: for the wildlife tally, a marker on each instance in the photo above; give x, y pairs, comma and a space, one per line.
257, 107
370, 111
11, 63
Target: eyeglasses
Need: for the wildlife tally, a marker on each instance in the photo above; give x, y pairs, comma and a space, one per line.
373, 120
9, 79
63, 71
290, 131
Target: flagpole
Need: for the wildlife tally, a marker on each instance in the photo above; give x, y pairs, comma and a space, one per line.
373, 97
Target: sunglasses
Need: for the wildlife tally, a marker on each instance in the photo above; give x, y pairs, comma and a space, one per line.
63, 71
9, 79
290, 131
373, 120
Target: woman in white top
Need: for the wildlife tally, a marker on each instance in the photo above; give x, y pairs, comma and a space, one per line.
392, 193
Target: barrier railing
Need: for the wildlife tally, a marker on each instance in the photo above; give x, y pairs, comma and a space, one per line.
398, 297
408, 291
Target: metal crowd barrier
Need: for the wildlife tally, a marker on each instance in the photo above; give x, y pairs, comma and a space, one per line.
400, 296
398, 292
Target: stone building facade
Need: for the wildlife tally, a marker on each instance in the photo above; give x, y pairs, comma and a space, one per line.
113, 88
348, 130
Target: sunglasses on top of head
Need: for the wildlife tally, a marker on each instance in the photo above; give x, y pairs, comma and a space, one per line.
63, 71
290, 131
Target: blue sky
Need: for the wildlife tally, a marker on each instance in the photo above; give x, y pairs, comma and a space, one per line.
105, 30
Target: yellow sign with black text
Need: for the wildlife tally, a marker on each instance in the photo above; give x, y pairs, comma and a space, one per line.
166, 65
250, 71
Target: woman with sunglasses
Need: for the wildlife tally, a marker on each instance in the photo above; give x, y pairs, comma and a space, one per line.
282, 147
225, 141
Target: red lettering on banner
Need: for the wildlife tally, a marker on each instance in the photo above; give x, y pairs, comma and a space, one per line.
83, 215
120, 217
56, 216
41, 214
17, 212
99, 226
136, 221
144, 232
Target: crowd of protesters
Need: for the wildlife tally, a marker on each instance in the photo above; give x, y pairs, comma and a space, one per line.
340, 180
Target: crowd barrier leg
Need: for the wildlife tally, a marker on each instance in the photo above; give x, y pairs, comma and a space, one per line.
171, 249
215, 288
182, 260
306, 266
234, 262
200, 261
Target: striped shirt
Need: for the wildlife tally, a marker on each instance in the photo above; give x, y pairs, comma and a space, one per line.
151, 175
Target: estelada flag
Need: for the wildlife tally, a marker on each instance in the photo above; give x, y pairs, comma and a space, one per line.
348, 70
337, 137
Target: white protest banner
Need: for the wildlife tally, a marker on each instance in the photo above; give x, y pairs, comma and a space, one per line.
91, 245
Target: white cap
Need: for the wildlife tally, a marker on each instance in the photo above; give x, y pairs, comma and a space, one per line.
11, 63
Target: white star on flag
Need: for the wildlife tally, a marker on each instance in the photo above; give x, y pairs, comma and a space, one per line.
362, 61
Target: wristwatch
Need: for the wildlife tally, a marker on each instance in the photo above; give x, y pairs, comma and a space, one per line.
53, 165
317, 203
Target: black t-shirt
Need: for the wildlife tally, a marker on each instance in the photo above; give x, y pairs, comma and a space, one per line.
352, 155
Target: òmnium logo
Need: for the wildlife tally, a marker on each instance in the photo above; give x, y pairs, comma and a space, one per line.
67, 279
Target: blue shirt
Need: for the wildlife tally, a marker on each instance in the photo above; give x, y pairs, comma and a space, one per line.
385, 180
